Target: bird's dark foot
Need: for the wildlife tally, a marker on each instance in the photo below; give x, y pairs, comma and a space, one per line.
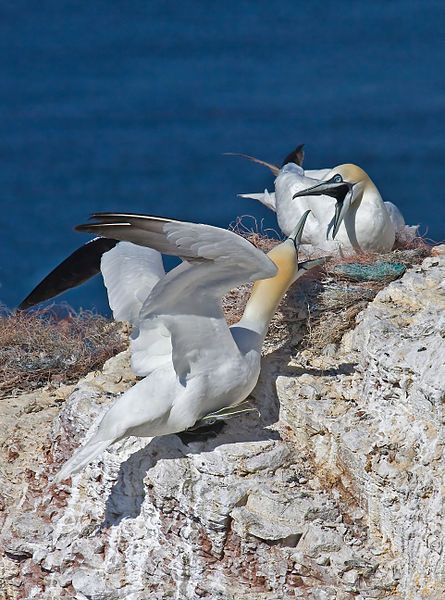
201, 432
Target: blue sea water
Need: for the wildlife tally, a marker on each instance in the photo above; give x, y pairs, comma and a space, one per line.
129, 106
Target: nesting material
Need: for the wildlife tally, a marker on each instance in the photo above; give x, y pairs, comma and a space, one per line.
323, 306
346, 286
38, 348
249, 228
380, 271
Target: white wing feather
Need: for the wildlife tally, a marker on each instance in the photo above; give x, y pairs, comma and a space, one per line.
192, 242
405, 234
293, 179
130, 272
395, 215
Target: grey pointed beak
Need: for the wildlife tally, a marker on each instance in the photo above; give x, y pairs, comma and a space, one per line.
296, 238
307, 265
336, 189
341, 208
298, 231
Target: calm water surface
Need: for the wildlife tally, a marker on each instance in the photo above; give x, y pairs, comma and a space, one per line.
130, 105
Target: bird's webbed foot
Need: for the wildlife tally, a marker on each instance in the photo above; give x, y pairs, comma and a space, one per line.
201, 431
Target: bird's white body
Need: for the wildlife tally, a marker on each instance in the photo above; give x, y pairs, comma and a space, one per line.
369, 224
193, 364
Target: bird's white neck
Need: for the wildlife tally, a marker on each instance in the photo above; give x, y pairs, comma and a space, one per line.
267, 293
369, 195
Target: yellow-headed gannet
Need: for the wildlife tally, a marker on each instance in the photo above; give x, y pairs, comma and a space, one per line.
347, 210
193, 364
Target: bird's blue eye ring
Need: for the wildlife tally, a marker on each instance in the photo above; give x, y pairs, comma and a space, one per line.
337, 178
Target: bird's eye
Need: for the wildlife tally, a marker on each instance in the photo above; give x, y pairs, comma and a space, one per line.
337, 179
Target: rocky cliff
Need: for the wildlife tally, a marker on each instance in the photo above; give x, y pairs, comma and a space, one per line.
331, 490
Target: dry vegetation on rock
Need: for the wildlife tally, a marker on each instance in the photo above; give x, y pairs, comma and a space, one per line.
39, 347
345, 288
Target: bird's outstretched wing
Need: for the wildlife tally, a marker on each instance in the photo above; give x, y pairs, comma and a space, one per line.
80, 266
238, 260
130, 272
184, 306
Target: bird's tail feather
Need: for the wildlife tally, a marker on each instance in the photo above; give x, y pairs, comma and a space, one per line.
81, 458
266, 198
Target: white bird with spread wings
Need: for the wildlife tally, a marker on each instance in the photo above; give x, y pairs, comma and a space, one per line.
193, 363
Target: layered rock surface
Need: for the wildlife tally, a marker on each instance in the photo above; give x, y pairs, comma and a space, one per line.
332, 491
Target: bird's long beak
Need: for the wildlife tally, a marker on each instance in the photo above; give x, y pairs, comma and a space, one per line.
296, 238
341, 208
340, 190
307, 265
298, 231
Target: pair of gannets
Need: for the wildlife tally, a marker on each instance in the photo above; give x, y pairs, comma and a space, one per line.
193, 364
347, 210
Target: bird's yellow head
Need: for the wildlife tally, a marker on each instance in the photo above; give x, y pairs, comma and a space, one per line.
347, 184
350, 173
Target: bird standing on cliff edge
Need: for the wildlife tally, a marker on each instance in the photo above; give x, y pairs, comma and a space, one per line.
347, 210
193, 364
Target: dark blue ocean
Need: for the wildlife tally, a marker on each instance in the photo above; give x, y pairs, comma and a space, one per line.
129, 106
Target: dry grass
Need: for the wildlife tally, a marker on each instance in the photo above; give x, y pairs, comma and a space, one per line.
37, 348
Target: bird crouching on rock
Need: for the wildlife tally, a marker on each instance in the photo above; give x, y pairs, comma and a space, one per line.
348, 214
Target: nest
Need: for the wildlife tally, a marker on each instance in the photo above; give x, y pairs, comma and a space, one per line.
38, 348
247, 227
323, 306
345, 288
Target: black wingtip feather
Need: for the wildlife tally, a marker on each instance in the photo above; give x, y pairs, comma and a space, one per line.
80, 266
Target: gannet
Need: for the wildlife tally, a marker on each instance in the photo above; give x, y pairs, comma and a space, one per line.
347, 210
193, 364
347, 207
